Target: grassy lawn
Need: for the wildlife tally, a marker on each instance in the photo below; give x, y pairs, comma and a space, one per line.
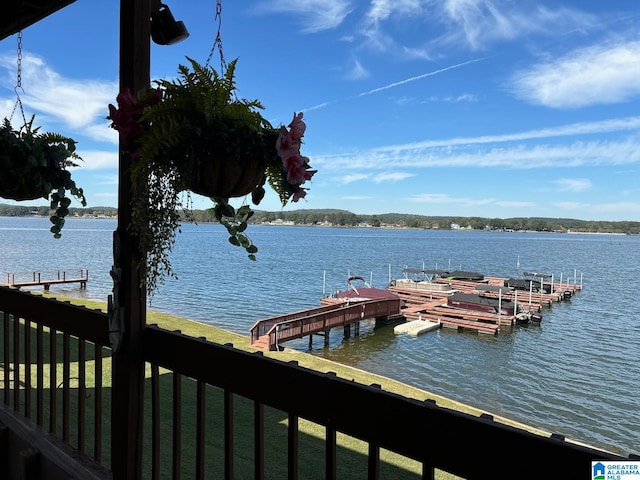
352, 453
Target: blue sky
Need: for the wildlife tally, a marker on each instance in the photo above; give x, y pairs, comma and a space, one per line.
490, 108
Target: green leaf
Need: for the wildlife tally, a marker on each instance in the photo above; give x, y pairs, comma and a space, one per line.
257, 195
227, 210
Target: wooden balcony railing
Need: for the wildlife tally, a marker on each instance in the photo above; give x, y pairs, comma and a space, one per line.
245, 410
55, 365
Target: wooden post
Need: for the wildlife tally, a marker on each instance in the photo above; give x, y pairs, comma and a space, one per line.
128, 362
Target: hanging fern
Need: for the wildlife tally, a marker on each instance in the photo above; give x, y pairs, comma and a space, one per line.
193, 128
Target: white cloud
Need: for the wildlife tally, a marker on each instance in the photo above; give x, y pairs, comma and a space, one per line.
346, 179
601, 74
392, 177
381, 10
573, 184
480, 23
507, 151
465, 97
584, 128
357, 71
79, 104
97, 160
315, 15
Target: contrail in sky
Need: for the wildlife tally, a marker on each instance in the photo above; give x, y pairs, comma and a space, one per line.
391, 85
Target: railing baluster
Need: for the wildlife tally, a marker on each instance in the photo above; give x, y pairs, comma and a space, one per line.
200, 428
40, 374
7, 363
82, 392
97, 418
330, 453
155, 421
66, 380
177, 422
292, 447
53, 380
16, 364
428, 471
228, 434
27, 368
258, 421
373, 462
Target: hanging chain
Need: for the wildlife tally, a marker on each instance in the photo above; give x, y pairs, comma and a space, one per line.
18, 87
217, 43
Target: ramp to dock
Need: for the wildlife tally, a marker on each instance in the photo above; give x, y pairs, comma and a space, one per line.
269, 333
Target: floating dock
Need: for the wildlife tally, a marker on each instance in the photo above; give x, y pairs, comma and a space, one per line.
416, 327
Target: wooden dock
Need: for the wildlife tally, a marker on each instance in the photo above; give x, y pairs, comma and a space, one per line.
431, 306
423, 309
47, 278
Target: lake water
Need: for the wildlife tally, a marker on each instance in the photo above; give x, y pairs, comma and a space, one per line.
576, 374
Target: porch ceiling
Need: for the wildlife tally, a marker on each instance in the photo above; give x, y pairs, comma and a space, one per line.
16, 15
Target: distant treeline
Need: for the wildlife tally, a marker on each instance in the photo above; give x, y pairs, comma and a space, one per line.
403, 220
344, 218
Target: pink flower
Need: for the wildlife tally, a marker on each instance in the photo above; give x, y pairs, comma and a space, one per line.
125, 117
127, 100
286, 145
296, 175
294, 165
299, 193
293, 161
297, 126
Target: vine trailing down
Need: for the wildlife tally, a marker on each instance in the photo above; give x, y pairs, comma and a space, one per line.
194, 135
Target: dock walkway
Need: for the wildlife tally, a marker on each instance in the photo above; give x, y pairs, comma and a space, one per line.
46, 279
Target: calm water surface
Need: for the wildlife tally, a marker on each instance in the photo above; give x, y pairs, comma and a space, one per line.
576, 374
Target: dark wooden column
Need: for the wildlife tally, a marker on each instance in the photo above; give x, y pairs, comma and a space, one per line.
128, 363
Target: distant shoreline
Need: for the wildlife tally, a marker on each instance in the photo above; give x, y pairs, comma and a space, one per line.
321, 218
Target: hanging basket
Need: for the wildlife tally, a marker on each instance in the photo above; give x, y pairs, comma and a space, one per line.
226, 177
232, 162
27, 168
19, 188
32, 163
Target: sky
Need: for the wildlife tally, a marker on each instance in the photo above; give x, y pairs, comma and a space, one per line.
470, 108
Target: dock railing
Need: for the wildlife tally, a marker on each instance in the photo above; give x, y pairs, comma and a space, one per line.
321, 319
47, 278
248, 412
